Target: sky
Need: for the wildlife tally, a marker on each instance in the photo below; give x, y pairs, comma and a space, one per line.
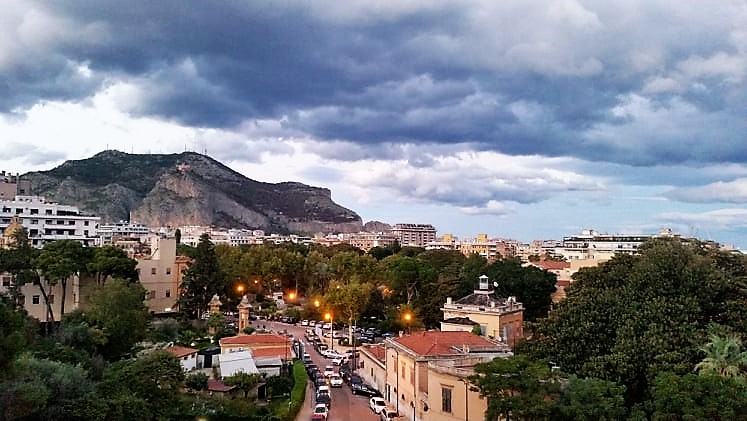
520, 119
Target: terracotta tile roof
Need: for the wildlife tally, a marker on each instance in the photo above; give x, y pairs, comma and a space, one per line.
280, 352
262, 338
434, 342
215, 385
552, 265
180, 351
377, 351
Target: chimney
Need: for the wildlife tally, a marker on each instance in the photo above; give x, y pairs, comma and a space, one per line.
448, 300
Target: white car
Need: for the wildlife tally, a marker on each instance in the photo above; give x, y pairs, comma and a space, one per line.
335, 380
376, 404
304, 323
320, 412
339, 360
328, 371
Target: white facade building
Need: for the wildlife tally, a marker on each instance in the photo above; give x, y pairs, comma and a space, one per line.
593, 245
48, 221
108, 232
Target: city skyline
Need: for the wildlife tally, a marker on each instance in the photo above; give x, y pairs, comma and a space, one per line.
524, 120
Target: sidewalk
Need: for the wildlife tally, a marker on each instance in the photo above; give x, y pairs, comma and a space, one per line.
308, 404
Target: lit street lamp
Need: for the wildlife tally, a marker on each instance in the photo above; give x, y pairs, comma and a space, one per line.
407, 317
328, 316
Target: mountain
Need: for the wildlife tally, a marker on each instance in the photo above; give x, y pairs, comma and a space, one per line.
189, 189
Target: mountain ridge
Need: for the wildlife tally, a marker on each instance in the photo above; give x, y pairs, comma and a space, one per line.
189, 188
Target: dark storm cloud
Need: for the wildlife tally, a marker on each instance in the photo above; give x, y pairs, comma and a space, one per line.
624, 83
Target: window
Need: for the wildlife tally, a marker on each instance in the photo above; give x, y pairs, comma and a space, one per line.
19, 210
34, 222
403, 371
85, 223
35, 211
60, 222
48, 212
6, 281
48, 221
168, 293
168, 271
152, 271
151, 294
35, 299
71, 222
446, 399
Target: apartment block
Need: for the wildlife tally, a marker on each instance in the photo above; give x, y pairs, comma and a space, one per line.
417, 235
49, 221
161, 273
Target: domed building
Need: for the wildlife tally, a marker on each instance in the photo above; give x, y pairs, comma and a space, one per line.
10, 231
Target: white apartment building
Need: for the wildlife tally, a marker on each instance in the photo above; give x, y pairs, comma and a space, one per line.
49, 221
593, 245
417, 235
122, 229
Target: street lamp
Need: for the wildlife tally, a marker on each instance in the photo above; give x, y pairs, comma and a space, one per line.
407, 317
328, 316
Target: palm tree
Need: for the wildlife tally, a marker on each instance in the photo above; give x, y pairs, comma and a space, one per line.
723, 356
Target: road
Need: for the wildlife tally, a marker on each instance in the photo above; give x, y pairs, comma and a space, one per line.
345, 405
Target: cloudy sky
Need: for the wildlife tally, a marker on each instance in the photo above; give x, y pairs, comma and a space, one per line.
521, 119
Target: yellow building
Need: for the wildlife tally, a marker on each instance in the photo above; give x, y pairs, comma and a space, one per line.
498, 318
427, 374
160, 275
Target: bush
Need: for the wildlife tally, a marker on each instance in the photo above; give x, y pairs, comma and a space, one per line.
249, 330
298, 393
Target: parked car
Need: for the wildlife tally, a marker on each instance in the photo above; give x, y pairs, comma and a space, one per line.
321, 412
335, 380
322, 390
377, 404
304, 322
388, 414
339, 360
363, 389
324, 399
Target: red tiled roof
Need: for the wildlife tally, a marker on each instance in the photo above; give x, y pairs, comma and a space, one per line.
180, 351
434, 342
280, 352
563, 283
377, 351
262, 338
215, 385
552, 265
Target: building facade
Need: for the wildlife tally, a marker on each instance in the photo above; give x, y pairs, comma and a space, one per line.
48, 221
416, 235
499, 318
427, 374
160, 274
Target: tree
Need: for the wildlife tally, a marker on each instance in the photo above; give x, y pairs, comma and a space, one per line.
202, 280
590, 400
695, 397
406, 275
531, 286
59, 261
348, 300
243, 381
18, 260
12, 338
118, 310
516, 387
279, 385
111, 262
636, 316
723, 356
152, 381
196, 381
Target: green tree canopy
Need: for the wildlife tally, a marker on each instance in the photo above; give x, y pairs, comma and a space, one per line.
636, 316
59, 261
111, 262
693, 397
531, 286
590, 400
516, 387
724, 356
202, 280
243, 381
117, 309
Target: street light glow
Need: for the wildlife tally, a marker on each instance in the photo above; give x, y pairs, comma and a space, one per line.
408, 317
240, 288
327, 316
292, 295
316, 303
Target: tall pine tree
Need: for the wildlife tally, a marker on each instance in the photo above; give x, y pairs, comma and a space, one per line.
202, 280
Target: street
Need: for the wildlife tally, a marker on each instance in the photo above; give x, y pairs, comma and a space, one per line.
345, 406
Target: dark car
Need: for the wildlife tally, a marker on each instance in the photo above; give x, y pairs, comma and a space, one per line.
325, 399
353, 379
363, 389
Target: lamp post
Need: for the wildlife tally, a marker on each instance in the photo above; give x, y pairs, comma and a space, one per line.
407, 317
466, 399
328, 316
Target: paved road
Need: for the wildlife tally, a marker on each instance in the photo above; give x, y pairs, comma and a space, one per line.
345, 405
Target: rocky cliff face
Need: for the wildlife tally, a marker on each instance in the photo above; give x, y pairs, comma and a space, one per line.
189, 189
